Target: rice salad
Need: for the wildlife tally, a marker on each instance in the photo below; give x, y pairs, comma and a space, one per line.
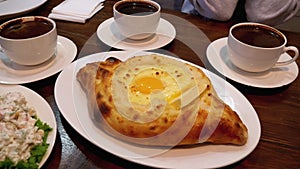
22, 135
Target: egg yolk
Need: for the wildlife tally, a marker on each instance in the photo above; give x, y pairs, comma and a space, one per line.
147, 85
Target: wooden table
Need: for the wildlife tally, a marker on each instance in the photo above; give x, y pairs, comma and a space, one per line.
277, 108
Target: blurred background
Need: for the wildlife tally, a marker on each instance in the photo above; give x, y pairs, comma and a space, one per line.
291, 25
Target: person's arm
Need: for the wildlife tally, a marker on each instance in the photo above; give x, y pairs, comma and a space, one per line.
221, 10
271, 12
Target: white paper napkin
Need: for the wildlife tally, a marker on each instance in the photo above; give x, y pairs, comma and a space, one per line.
76, 10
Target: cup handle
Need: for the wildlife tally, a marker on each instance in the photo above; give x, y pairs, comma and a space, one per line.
289, 48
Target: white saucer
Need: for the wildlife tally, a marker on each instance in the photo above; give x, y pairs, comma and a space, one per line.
12, 73
107, 33
276, 77
14, 8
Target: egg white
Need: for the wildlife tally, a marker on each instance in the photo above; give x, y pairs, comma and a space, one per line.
131, 99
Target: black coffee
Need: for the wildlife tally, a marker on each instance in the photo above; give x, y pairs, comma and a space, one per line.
22, 30
136, 8
259, 36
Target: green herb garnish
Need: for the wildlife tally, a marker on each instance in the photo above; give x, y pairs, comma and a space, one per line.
37, 152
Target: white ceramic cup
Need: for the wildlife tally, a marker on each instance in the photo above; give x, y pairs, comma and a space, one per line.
30, 50
255, 58
136, 26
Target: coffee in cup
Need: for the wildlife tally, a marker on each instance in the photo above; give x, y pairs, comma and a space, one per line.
255, 47
136, 19
28, 40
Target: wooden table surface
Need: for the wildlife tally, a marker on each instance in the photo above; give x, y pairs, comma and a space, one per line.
278, 108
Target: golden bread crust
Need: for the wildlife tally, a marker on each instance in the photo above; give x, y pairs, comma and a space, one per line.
213, 121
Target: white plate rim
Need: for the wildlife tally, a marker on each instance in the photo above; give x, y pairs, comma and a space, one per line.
165, 36
43, 109
23, 6
65, 106
66, 52
262, 80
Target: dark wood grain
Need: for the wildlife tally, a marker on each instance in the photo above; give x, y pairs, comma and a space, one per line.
278, 109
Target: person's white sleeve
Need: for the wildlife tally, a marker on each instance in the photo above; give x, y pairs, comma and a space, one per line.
271, 12
221, 10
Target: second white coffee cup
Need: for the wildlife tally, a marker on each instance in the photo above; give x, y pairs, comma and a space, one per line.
136, 19
256, 47
29, 40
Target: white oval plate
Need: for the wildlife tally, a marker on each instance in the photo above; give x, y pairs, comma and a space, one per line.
277, 77
43, 109
204, 156
12, 73
107, 33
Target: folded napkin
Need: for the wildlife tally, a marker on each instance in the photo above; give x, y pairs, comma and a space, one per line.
76, 10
